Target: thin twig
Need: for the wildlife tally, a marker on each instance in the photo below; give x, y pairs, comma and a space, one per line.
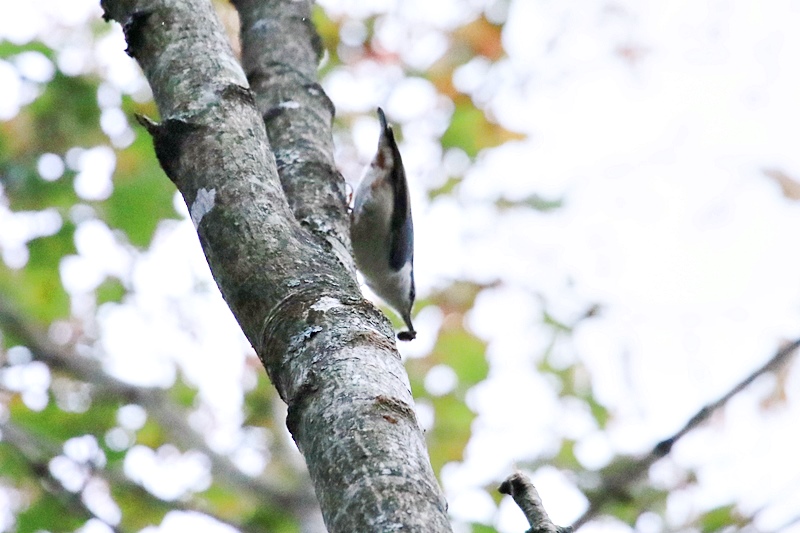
640, 467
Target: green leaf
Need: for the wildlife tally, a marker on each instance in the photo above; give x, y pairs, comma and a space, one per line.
447, 188
49, 513
472, 132
465, 353
328, 31
719, 518
27, 191
139, 508
183, 394
258, 403
52, 423
453, 428
13, 464
272, 520
36, 289
111, 290
9, 49
65, 115
599, 411
228, 503
565, 458
533, 201
151, 434
626, 510
142, 195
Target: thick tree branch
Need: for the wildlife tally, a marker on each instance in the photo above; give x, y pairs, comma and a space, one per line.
330, 355
611, 487
280, 54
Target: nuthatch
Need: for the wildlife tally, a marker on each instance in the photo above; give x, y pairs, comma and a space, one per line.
381, 229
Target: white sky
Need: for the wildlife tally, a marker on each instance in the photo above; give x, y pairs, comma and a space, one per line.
669, 222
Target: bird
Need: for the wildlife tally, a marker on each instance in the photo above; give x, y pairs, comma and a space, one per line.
382, 231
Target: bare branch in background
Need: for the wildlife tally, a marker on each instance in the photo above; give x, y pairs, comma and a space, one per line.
160, 406
38, 461
38, 451
611, 487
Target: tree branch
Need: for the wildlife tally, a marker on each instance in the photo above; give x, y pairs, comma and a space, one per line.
519, 487
280, 54
610, 487
330, 354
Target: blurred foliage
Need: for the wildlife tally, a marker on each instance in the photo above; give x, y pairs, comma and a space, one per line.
471, 131
36, 289
48, 513
142, 194
64, 115
56, 424
721, 518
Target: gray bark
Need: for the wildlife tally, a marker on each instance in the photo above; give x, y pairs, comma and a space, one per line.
272, 222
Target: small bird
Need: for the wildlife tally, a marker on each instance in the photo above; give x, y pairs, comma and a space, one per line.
381, 229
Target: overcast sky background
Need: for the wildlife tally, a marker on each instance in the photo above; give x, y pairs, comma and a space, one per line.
659, 126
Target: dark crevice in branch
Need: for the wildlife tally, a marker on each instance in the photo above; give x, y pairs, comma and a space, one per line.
271, 69
133, 28
169, 138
